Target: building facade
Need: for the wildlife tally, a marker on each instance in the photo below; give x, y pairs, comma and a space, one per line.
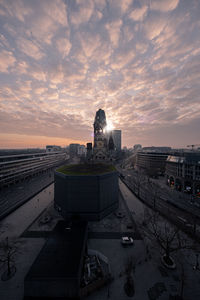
117, 138
89, 151
81, 151
183, 172
157, 149
73, 149
153, 164
53, 148
137, 147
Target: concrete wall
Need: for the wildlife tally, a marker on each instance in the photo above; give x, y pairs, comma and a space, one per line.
89, 197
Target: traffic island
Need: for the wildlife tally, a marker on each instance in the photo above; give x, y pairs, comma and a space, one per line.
168, 262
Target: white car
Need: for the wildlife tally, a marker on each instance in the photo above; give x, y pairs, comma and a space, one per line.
127, 240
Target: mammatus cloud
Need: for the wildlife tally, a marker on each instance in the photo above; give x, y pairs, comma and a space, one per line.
60, 61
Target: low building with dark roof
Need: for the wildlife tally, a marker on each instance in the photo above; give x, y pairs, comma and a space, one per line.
56, 272
86, 191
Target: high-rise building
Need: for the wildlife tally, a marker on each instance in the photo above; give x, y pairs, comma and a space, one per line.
117, 138
89, 151
73, 149
81, 151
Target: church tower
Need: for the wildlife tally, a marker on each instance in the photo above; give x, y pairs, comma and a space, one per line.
100, 150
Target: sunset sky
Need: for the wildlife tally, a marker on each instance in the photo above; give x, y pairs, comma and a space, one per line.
62, 60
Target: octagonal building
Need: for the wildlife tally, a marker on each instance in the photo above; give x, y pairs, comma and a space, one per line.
86, 191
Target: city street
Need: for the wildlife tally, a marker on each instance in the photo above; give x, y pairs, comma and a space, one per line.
166, 201
185, 259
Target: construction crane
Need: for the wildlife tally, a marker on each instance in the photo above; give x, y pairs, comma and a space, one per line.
192, 146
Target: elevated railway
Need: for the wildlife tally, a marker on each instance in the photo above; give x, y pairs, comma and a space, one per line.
16, 168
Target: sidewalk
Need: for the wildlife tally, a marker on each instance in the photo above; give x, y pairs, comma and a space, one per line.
171, 278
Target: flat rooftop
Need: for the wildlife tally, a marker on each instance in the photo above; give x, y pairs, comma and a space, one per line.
86, 169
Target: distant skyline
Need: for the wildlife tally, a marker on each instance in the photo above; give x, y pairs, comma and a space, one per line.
62, 60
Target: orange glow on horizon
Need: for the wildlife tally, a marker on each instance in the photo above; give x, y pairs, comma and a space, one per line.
17, 141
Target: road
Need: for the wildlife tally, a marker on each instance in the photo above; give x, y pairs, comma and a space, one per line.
183, 219
148, 187
17, 221
134, 204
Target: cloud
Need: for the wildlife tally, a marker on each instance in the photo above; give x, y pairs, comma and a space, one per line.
138, 14
128, 33
122, 58
40, 90
37, 72
89, 42
44, 20
114, 31
42, 29
118, 8
4, 42
17, 9
154, 26
63, 46
82, 12
56, 74
56, 10
164, 6
7, 60
100, 4
125, 4
62, 60
20, 67
30, 48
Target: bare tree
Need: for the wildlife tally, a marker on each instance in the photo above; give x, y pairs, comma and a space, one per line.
167, 236
129, 269
138, 180
154, 191
7, 251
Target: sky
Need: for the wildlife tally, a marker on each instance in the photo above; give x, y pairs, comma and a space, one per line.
62, 60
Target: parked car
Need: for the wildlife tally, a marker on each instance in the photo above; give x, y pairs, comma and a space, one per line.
127, 240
